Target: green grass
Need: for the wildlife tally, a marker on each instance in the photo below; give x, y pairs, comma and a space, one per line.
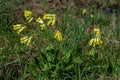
70, 59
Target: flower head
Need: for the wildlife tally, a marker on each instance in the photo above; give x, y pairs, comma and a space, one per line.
97, 32
28, 15
58, 36
51, 19
42, 25
26, 40
39, 20
49, 16
19, 28
95, 42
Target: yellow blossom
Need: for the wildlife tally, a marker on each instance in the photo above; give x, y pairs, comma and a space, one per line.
84, 11
42, 25
58, 36
51, 19
28, 15
39, 20
26, 40
49, 16
19, 28
97, 32
95, 42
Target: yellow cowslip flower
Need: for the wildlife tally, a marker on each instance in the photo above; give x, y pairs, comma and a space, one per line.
95, 42
28, 15
51, 19
58, 36
19, 28
42, 25
49, 16
39, 20
84, 11
97, 32
49, 22
26, 40
53, 22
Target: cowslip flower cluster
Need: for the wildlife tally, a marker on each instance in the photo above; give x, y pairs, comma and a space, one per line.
28, 15
97, 40
58, 36
19, 28
41, 22
97, 32
51, 19
27, 39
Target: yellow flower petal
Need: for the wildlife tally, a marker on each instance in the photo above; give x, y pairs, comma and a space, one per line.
15, 27
39, 20
49, 22
42, 25
28, 15
51, 19
95, 42
26, 40
97, 31
19, 28
49, 16
58, 36
53, 22
29, 41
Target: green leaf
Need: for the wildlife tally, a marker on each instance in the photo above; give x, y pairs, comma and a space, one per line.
92, 52
69, 67
50, 47
77, 60
67, 56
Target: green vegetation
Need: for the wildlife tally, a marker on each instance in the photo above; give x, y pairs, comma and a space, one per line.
60, 47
